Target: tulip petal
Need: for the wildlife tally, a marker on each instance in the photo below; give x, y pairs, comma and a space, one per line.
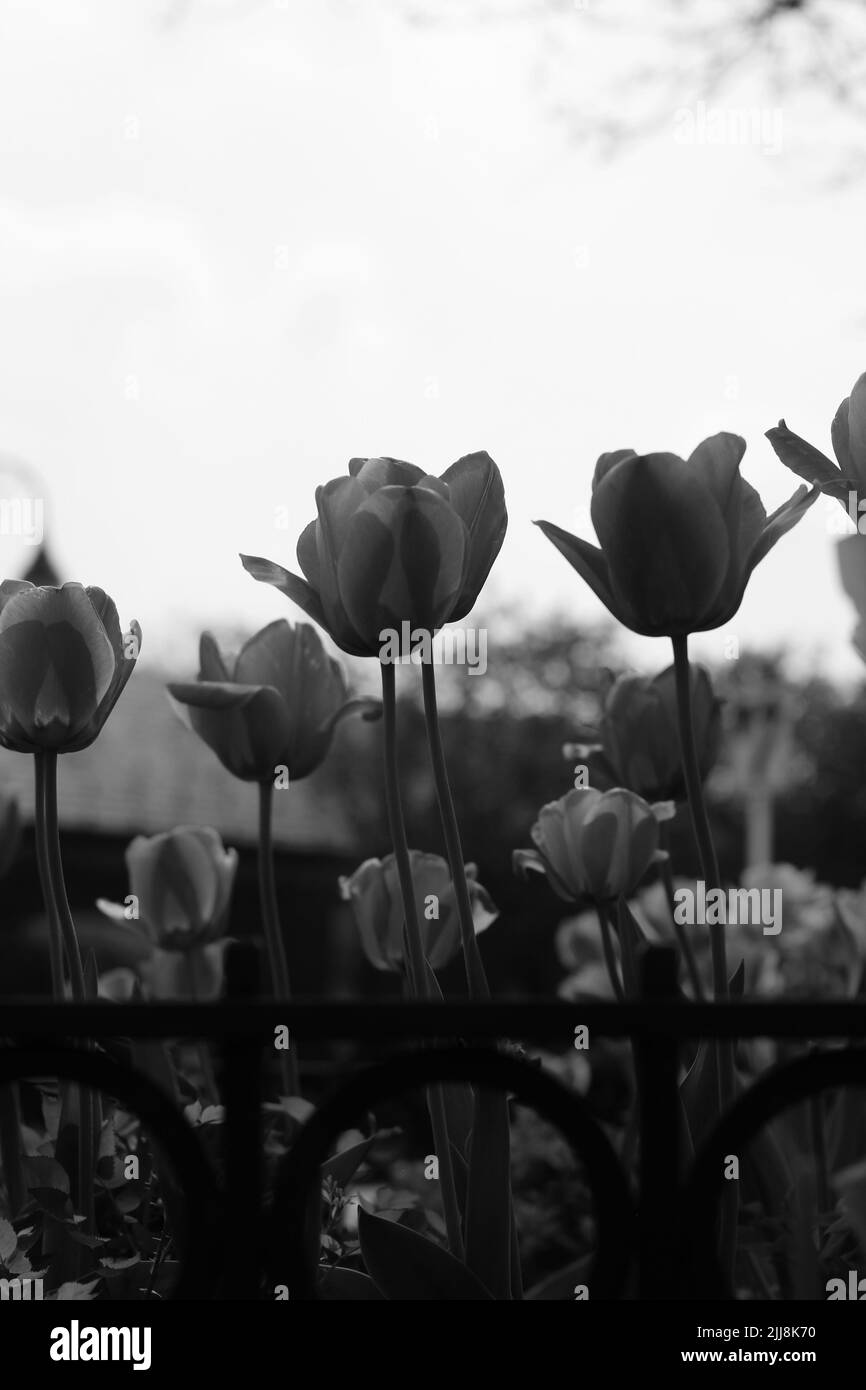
337, 503
851, 558
841, 441
56, 662
10, 587
301, 593
307, 551
808, 462
605, 462
857, 428
267, 658
604, 849
374, 473
402, 561
211, 664
718, 460
590, 564
781, 520
664, 537
478, 496
249, 728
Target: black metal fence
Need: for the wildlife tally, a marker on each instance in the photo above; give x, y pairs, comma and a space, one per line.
675, 1256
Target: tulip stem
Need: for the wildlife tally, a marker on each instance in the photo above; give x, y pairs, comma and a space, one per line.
491, 1121
723, 1047
609, 953
697, 806
273, 935
48, 827
416, 962
475, 976
679, 929
55, 935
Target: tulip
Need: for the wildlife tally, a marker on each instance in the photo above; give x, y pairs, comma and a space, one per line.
393, 545
277, 704
180, 884
639, 745
63, 664
848, 435
679, 538
595, 844
374, 892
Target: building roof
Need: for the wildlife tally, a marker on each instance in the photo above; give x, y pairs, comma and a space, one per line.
147, 772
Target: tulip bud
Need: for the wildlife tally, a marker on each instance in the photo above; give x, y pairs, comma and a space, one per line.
278, 705
63, 664
374, 892
679, 538
639, 744
181, 883
595, 844
393, 546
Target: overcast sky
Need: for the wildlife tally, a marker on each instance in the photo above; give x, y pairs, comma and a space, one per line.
244, 243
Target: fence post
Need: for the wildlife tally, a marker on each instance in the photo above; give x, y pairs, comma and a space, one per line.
656, 1055
242, 1088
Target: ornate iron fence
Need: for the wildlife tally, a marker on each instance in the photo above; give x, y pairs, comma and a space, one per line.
675, 1259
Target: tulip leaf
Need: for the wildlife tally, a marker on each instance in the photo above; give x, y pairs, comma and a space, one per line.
561, 1283
808, 462
699, 1091
459, 1101
348, 1285
406, 1266
488, 1199
343, 1166
45, 1172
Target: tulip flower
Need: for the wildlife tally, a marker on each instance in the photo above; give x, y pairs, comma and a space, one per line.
848, 435
595, 844
374, 892
180, 887
277, 704
679, 537
394, 545
638, 738
63, 664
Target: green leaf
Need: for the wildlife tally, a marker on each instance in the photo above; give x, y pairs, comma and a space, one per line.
488, 1198
8, 1241
348, 1285
56, 1204
405, 1266
560, 1284
343, 1166
46, 1172
458, 1098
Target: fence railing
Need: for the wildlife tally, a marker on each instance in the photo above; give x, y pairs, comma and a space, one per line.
667, 1228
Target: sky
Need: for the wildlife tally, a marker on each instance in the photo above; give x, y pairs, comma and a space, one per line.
241, 243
